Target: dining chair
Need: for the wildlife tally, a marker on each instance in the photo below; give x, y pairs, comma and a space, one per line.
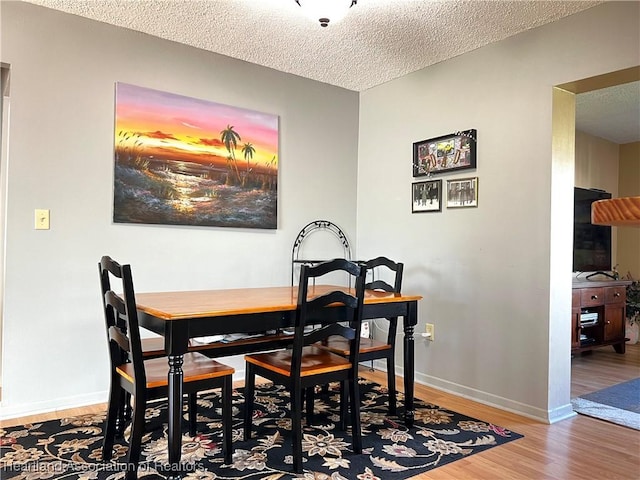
305, 365
146, 379
152, 347
381, 269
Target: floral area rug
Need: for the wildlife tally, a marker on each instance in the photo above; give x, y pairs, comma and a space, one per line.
71, 447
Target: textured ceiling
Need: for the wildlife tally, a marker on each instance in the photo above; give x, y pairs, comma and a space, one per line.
378, 40
611, 113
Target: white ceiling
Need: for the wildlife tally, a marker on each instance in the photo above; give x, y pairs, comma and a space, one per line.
378, 40
611, 113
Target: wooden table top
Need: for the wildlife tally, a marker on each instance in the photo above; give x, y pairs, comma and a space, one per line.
238, 301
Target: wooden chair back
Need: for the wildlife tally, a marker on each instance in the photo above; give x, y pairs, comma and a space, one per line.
343, 317
121, 318
381, 269
376, 266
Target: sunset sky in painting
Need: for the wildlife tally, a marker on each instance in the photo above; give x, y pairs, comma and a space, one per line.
170, 124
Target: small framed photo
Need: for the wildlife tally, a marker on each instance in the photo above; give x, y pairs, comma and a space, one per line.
426, 196
462, 192
456, 151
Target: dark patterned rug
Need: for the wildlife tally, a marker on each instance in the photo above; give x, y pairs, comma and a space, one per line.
70, 447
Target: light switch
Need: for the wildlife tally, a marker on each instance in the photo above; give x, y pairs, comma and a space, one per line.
42, 219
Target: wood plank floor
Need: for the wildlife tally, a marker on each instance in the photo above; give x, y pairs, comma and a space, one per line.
602, 368
574, 449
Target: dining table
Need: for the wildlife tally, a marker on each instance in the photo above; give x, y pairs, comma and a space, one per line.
180, 316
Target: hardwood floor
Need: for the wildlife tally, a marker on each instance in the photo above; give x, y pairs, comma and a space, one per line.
603, 367
574, 449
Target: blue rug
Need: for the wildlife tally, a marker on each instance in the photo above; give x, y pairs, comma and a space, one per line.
618, 404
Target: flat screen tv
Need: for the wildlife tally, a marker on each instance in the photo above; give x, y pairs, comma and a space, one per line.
591, 243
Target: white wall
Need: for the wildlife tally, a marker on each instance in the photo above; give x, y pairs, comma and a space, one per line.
629, 186
501, 308
63, 70
597, 163
597, 166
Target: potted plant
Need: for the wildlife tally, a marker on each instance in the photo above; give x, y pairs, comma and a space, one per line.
633, 312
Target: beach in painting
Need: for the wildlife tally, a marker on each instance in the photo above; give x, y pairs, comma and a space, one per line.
184, 161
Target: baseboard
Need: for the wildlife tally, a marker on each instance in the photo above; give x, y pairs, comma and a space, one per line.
47, 406
488, 399
561, 413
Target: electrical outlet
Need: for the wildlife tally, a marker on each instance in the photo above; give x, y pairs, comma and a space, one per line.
431, 331
365, 330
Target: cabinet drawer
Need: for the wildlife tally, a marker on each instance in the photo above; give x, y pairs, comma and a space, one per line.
591, 297
615, 294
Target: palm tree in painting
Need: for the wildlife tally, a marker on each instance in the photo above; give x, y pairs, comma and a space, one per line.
230, 139
248, 150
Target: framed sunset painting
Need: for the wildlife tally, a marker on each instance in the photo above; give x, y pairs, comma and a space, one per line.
185, 161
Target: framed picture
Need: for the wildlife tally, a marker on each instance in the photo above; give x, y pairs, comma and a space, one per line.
188, 161
448, 153
426, 196
462, 192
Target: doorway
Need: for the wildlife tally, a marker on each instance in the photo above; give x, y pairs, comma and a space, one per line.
564, 113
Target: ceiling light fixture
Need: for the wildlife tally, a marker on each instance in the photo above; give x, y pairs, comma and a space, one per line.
323, 10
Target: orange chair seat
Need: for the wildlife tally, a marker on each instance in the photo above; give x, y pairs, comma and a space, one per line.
340, 345
314, 361
195, 367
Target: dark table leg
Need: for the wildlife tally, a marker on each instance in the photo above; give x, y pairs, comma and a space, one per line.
410, 320
175, 409
176, 343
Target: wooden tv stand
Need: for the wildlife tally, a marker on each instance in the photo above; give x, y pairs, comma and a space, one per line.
602, 306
